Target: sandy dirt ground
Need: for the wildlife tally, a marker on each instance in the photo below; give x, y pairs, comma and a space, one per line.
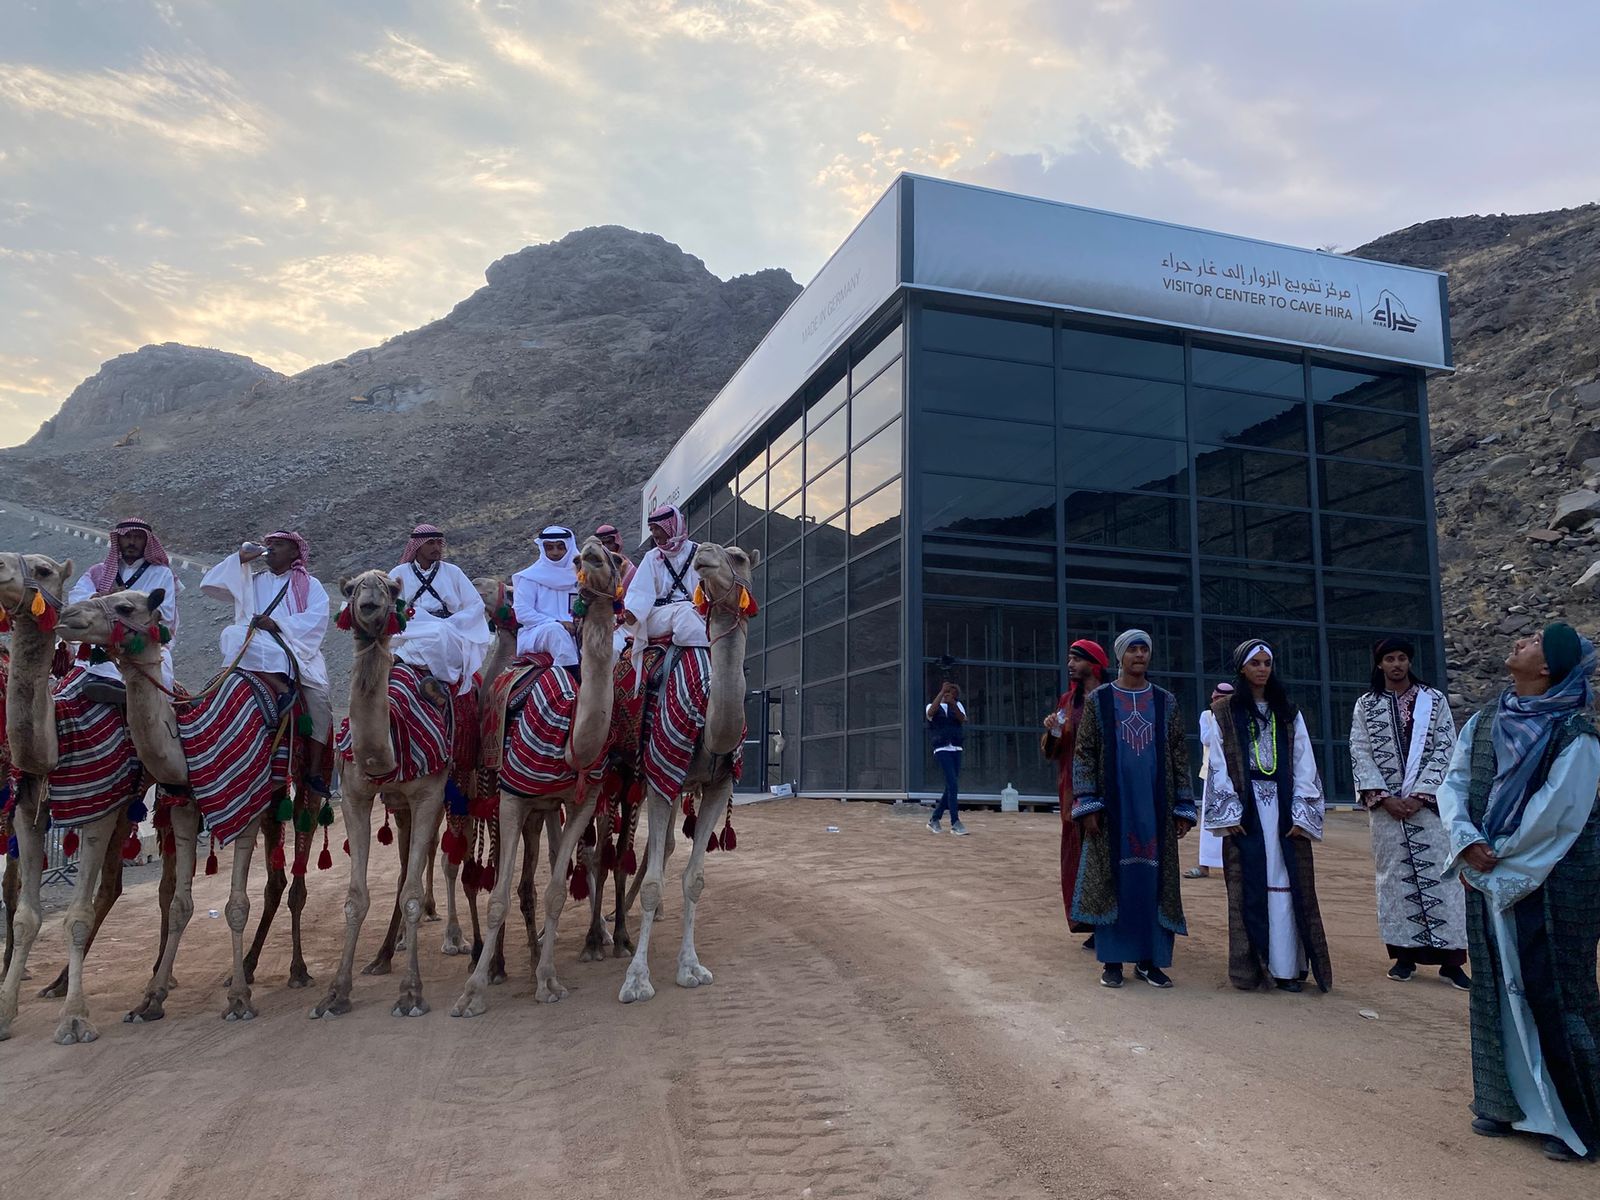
894, 1015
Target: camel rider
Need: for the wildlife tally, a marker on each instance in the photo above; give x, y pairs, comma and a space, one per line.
611, 539
288, 609
447, 633
135, 559
542, 594
660, 600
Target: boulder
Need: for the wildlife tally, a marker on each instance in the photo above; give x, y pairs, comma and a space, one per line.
1548, 537
1575, 508
1589, 582
1587, 395
1585, 445
1509, 464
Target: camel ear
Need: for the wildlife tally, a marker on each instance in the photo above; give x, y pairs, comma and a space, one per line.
346, 586
394, 587
156, 597
755, 558
66, 572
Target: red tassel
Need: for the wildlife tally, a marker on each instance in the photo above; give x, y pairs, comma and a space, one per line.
385, 835
486, 880
130, 848
689, 825
578, 888
469, 874
69, 843
392, 627
729, 841
343, 619
608, 858
712, 843
276, 860
630, 862
347, 847
325, 859
211, 861
169, 844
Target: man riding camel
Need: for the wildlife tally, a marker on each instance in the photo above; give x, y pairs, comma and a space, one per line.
447, 633
135, 559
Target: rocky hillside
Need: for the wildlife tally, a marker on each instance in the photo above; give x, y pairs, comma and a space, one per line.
1516, 430
550, 394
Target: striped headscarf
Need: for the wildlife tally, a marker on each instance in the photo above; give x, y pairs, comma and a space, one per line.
299, 572
419, 535
104, 574
1128, 638
670, 519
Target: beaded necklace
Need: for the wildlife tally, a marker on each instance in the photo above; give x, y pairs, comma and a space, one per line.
1270, 766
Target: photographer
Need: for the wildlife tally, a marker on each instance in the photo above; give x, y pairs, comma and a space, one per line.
946, 716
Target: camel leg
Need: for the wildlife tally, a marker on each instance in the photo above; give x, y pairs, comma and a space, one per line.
430, 905
109, 872
474, 998
75, 1025
238, 913
714, 801
185, 833
27, 826
357, 810
525, 885
299, 973
411, 1003
165, 890
272, 895
453, 941
621, 941
10, 889
549, 989
383, 962
636, 984
599, 937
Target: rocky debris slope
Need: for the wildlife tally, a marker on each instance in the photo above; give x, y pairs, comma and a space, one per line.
1516, 430
550, 394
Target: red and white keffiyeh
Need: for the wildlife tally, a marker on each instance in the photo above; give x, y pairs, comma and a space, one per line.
299, 570
419, 535
104, 574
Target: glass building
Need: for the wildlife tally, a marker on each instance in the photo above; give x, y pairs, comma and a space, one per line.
993, 425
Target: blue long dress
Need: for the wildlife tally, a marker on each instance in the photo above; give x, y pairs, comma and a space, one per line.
1137, 936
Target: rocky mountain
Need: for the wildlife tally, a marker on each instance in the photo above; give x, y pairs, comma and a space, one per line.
550, 394
1516, 430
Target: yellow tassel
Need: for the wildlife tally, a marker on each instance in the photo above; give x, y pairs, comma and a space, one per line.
700, 604
37, 607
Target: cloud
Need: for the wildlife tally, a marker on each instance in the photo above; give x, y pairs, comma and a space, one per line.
183, 101
413, 66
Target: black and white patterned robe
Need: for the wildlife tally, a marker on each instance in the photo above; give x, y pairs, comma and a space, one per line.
1417, 912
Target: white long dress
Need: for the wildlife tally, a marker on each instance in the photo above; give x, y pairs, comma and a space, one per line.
541, 612
448, 632
302, 628
1210, 843
150, 576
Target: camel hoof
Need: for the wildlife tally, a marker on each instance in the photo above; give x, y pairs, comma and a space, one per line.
239, 1010
73, 1030
550, 993
409, 1006
471, 1004
454, 943
400, 943
622, 946
497, 977
334, 1006
430, 915
593, 951
636, 988
56, 991
378, 966
693, 975
299, 977
150, 1010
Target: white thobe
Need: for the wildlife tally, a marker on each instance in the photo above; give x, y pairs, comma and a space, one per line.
451, 644
1210, 843
302, 629
541, 611
152, 577
653, 582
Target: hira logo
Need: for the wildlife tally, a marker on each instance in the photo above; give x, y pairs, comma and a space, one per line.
1391, 314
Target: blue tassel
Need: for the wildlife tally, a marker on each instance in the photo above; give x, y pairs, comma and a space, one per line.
11, 846
137, 811
455, 799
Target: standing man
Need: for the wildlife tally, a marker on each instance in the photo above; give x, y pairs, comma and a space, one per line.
1133, 802
135, 559
542, 594
1086, 670
447, 634
1401, 738
1210, 843
1519, 805
946, 715
280, 616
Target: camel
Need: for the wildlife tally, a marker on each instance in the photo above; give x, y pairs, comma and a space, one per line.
522, 815
125, 624
724, 582
375, 765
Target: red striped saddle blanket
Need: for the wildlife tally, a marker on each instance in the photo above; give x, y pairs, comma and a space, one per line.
98, 770
674, 717
235, 770
421, 732
539, 711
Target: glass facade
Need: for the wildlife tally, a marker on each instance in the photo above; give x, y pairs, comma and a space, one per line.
1066, 479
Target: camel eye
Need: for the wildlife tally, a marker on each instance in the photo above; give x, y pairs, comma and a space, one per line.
124, 609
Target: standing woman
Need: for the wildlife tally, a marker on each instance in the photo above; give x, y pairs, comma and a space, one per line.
946, 716
1210, 843
1264, 797
1086, 670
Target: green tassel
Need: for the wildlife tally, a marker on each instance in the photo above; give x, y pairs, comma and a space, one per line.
285, 808
303, 821
166, 634
580, 607
135, 644
302, 725
325, 815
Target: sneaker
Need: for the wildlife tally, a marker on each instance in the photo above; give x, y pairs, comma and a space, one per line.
957, 828
1489, 1127
1558, 1151
1111, 976
1154, 976
1457, 978
933, 826
1288, 985
1088, 943
1402, 971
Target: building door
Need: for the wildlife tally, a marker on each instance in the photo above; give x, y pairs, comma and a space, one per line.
783, 739
754, 750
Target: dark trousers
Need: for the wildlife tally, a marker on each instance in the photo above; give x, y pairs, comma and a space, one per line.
950, 760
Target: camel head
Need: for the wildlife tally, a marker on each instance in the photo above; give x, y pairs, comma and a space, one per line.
599, 574
372, 606
33, 585
496, 596
124, 624
725, 573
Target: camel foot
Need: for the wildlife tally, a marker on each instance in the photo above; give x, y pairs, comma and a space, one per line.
299, 977
454, 943
471, 1004
57, 990
400, 942
73, 1030
550, 991
333, 1005
636, 986
410, 1004
692, 975
239, 1009
430, 909
497, 976
431, 915
151, 1008
594, 950
380, 965
622, 944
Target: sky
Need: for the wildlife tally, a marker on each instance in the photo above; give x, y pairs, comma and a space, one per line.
298, 179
